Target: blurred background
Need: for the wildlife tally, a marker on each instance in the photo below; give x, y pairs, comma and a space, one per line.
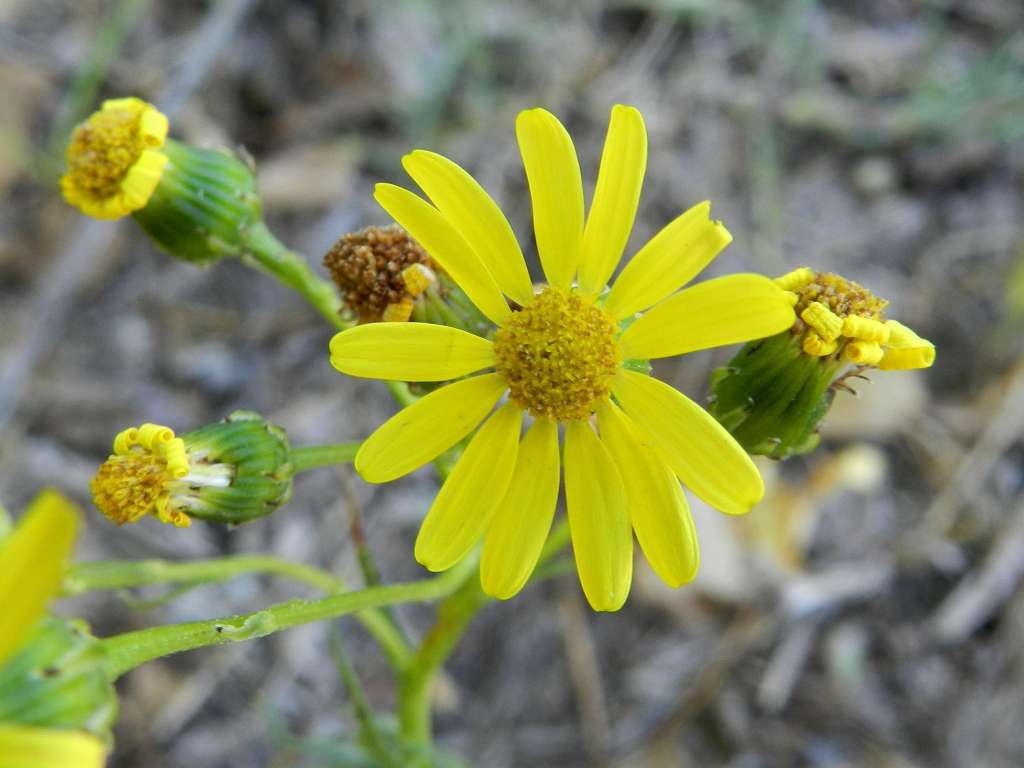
868, 613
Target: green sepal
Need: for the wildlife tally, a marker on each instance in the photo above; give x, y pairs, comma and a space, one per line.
771, 396
260, 456
205, 201
445, 303
59, 679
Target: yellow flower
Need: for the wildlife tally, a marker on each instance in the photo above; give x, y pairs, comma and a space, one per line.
32, 561
115, 160
562, 358
143, 475
843, 319
231, 471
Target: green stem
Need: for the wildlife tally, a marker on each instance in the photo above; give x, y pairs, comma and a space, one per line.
400, 391
315, 456
126, 574
417, 681
269, 254
129, 650
266, 252
114, 574
453, 617
369, 730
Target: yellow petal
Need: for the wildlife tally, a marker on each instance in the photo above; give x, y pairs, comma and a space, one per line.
695, 446
471, 211
153, 127
516, 535
556, 190
656, 504
472, 493
23, 746
725, 310
409, 352
601, 538
427, 428
127, 103
616, 197
668, 261
32, 561
142, 179
446, 246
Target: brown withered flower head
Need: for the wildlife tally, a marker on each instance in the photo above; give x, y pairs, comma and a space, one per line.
380, 272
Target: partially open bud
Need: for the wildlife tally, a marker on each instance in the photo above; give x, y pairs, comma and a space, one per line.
56, 704
58, 680
386, 276
774, 393
229, 472
204, 203
195, 203
115, 159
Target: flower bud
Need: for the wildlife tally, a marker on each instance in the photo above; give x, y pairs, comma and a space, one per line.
196, 204
203, 205
774, 393
58, 680
229, 472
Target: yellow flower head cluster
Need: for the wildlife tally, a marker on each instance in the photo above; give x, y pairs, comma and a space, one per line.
841, 318
32, 562
562, 359
114, 159
141, 476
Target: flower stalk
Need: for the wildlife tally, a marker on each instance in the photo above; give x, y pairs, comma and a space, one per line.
120, 574
417, 681
131, 649
453, 618
316, 456
262, 250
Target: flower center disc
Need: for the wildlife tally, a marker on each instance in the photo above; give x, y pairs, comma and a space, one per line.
126, 487
844, 297
103, 149
558, 356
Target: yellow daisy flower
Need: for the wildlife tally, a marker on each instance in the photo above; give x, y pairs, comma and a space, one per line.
843, 319
561, 357
114, 159
32, 561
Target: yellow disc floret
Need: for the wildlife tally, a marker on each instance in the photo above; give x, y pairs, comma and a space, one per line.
114, 162
139, 477
840, 296
558, 356
843, 321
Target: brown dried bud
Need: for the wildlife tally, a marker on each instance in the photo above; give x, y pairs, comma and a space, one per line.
368, 268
